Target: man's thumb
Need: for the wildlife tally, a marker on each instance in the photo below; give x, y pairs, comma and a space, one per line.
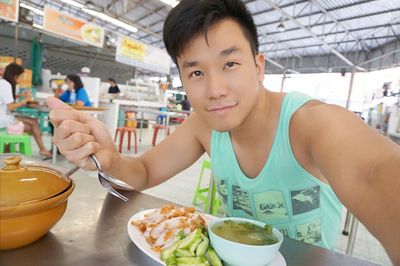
54, 103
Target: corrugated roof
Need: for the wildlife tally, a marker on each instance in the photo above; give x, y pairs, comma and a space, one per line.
343, 25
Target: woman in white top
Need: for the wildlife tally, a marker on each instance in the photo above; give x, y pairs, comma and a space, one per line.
12, 76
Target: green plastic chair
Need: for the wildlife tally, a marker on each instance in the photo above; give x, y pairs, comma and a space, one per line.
201, 193
24, 142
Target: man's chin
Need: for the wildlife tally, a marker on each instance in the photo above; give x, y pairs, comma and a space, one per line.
223, 126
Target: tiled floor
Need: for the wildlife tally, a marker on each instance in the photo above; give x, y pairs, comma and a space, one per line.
180, 189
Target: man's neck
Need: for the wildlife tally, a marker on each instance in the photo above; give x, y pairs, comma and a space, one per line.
257, 123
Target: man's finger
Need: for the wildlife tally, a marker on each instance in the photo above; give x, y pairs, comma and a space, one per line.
54, 103
68, 127
57, 116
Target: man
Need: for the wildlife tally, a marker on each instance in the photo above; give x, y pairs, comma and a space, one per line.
113, 89
185, 104
276, 157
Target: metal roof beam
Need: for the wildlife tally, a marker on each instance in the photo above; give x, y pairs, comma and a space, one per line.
298, 23
331, 43
275, 63
380, 56
329, 22
319, 6
328, 34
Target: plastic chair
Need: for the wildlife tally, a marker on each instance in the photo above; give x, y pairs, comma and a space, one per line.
201, 193
155, 132
24, 142
122, 131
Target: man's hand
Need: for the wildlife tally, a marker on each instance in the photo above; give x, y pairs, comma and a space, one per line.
78, 135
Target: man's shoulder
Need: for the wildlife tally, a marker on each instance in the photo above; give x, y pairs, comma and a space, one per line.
316, 115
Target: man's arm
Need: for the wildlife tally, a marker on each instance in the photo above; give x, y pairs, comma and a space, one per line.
173, 155
78, 135
362, 166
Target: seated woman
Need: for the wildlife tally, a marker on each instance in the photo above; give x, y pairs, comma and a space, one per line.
12, 76
76, 93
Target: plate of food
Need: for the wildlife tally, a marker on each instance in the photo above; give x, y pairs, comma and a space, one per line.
174, 235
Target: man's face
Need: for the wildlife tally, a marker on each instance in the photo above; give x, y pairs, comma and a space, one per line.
222, 78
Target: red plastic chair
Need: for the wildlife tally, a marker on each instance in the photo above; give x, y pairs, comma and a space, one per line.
122, 131
155, 133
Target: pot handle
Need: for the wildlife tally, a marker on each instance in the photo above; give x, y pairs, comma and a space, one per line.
12, 163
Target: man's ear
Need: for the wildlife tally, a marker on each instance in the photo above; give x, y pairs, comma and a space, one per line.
260, 65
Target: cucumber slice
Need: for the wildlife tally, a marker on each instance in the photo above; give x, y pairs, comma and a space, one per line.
194, 246
189, 260
171, 261
190, 239
213, 258
191, 264
202, 248
169, 251
183, 253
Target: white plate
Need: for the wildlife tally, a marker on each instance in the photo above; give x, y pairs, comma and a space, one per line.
139, 240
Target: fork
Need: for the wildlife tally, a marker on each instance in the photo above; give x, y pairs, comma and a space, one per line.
105, 180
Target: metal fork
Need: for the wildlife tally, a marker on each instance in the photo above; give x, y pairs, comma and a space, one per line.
105, 180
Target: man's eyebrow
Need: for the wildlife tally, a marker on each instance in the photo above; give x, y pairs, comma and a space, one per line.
223, 53
190, 64
229, 51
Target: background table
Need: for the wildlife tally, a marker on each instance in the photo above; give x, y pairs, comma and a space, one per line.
93, 232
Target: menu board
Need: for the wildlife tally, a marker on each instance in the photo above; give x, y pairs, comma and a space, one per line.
138, 54
9, 10
71, 27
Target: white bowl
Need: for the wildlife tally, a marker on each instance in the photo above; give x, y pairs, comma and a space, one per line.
236, 254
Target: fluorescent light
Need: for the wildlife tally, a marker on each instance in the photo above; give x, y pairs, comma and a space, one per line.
110, 19
73, 3
37, 26
172, 3
31, 8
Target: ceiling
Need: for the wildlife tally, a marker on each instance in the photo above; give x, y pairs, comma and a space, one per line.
316, 36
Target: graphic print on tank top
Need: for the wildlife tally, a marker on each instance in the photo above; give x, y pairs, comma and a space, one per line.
222, 189
241, 200
309, 232
271, 206
305, 200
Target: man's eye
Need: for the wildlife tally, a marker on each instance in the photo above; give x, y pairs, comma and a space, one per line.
196, 74
231, 64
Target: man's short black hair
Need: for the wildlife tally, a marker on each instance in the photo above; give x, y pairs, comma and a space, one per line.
193, 17
112, 80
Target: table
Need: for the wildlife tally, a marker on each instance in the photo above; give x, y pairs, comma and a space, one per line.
167, 115
93, 232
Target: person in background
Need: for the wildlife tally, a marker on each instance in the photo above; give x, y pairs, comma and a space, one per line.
75, 93
185, 104
113, 89
12, 76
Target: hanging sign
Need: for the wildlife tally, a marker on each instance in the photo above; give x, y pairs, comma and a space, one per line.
138, 54
9, 10
71, 27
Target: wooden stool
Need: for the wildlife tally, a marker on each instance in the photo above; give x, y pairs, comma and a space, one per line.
122, 131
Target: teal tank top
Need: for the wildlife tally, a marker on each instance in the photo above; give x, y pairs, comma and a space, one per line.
284, 194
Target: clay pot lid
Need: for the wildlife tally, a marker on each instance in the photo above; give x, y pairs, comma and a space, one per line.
22, 184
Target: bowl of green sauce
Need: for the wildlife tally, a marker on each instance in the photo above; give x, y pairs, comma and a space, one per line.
241, 242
